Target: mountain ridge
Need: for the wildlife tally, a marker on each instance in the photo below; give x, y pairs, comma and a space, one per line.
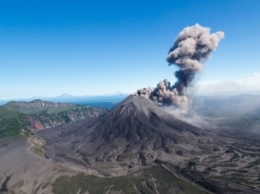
38, 115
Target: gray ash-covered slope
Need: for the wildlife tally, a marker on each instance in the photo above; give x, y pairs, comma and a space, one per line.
136, 132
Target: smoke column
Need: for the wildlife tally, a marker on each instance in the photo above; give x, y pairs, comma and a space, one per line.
191, 48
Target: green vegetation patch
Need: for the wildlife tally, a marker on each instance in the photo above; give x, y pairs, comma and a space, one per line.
153, 180
16, 119
36, 145
38, 150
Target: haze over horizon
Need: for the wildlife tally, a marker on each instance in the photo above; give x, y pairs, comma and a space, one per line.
48, 48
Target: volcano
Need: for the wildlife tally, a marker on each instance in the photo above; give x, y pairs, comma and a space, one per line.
138, 134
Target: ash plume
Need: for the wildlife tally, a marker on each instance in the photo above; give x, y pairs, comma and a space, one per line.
191, 48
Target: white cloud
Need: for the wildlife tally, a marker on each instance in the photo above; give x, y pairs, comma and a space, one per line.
249, 85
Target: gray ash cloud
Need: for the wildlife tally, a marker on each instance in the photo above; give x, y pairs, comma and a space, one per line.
191, 48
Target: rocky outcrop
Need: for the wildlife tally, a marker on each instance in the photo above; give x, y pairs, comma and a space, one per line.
51, 119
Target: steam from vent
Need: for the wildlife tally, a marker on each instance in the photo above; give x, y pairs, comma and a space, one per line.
190, 49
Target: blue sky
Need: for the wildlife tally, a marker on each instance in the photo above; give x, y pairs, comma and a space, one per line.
50, 47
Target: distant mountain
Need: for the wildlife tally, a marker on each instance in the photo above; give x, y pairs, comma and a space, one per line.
104, 101
138, 135
36, 106
65, 95
17, 117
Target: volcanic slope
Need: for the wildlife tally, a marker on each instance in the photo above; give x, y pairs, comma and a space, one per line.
138, 134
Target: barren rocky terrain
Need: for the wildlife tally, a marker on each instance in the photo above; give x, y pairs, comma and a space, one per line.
137, 134
23, 171
137, 147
